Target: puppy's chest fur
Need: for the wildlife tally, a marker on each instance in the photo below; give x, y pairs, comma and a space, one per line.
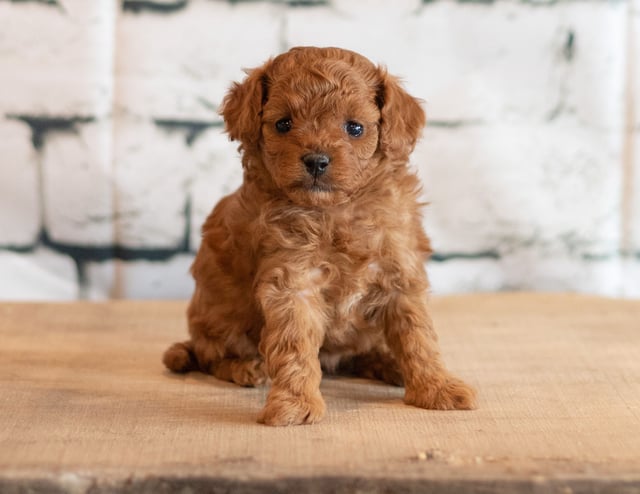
345, 262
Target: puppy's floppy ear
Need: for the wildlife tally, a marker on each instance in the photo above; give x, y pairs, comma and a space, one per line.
242, 107
401, 118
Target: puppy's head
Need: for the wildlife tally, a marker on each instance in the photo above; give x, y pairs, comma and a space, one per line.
318, 123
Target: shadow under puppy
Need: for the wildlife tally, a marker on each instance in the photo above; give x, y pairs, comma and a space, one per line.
317, 260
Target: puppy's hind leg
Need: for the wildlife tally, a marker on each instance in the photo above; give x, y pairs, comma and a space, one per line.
180, 357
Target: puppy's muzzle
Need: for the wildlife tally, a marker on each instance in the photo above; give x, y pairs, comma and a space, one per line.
316, 163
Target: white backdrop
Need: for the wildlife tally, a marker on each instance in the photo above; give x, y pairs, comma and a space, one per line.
111, 151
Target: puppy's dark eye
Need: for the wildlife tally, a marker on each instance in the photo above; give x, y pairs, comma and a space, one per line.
283, 125
354, 129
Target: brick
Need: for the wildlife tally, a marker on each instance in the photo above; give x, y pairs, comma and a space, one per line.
528, 269
218, 172
509, 61
38, 275
153, 170
504, 187
141, 279
160, 71
57, 58
465, 275
77, 184
631, 277
19, 186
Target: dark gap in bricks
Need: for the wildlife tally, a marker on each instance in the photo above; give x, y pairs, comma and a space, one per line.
308, 3
83, 280
235, 2
533, 3
556, 111
193, 128
53, 3
19, 249
452, 124
137, 6
186, 241
483, 2
443, 257
82, 254
540, 3
569, 46
480, 2
601, 256
567, 52
91, 253
290, 3
41, 125
574, 243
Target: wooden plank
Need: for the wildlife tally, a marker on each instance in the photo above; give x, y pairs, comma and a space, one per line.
85, 405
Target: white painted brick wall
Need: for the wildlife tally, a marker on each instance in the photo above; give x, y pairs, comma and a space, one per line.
506, 187
57, 59
152, 175
37, 275
180, 65
78, 186
528, 269
139, 279
19, 186
531, 159
218, 172
497, 63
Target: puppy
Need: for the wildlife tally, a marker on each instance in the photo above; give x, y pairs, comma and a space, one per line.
317, 260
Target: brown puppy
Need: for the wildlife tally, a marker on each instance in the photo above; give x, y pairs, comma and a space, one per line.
318, 258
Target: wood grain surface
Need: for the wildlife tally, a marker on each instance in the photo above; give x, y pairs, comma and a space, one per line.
86, 406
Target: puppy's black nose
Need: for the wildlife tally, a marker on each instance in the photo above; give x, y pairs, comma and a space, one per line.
316, 163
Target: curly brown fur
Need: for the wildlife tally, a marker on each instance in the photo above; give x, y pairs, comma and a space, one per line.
310, 264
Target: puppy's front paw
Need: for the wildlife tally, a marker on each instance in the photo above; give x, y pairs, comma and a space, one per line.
284, 409
449, 394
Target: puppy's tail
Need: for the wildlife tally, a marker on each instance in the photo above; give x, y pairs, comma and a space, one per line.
180, 357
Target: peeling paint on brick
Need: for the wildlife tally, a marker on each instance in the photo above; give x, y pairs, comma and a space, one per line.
42, 125
569, 46
487, 2
153, 6
290, 3
444, 257
307, 3
85, 253
452, 124
193, 128
534, 3
54, 3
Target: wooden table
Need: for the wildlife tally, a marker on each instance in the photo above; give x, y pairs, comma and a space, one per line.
86, 406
